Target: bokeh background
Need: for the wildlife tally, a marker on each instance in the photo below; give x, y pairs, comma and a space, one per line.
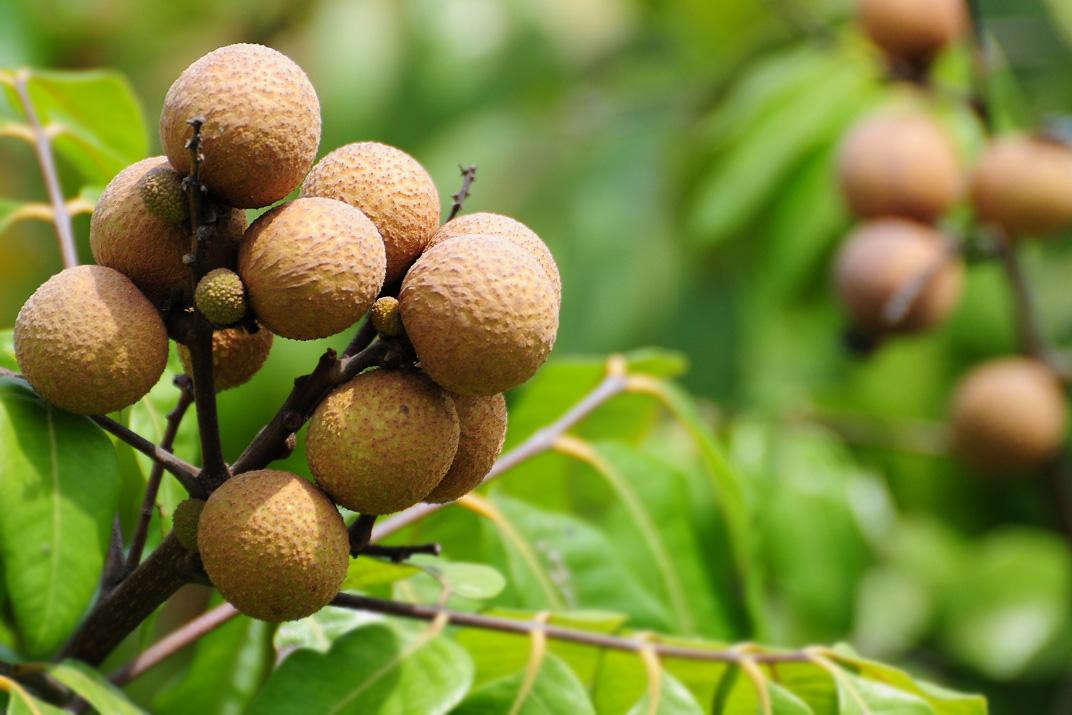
677, 157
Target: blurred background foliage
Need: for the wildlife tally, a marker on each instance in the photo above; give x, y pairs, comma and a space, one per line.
677, 156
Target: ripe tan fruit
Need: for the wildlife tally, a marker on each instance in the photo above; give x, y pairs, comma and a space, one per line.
126, 235
89, 341
899, 164
312, 267
237, 355
480, 313
1024, 184
161, 191
261, 123
1008, 415
878, 261
381, 442
483, 429
498, 225
393, 190
275, 547
221, 297
913, 29
184, 522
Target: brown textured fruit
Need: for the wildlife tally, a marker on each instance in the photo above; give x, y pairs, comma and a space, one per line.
237, 355
899, 164
498, 225
161, 190
878, 261
393, 190
312, 267
1008, 415
1024, 184
125, 235
275, 547
184, 522
221, 297
386, 317
89, 341
381, 442
913, 29
261, 123
483, 428
480, 313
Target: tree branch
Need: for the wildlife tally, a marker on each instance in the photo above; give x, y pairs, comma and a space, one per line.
183, 470
468, 177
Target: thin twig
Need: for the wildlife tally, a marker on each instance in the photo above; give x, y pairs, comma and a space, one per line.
114, 570
361, 533
468, 177
362, 339
901, 302
61, 219
1027, 320
183, 470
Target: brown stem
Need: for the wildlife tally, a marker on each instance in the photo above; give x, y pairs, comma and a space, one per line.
362, 339
61, 218
183, 470
900, 303
113, 571
468, 177
361, 533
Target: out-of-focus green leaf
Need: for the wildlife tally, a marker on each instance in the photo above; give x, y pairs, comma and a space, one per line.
7, 213
554, 690
7, 350
466, 580
320, 631
24, 703
671, 698
57, 474
93, 687
364, 573
1062, 16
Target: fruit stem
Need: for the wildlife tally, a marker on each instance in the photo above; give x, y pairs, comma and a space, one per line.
468, 177
185, 472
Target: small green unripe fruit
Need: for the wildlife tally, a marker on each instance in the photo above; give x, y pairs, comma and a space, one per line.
1024, 185
381, 442
237, 355
148, 249
498, 225
261, 123
313, 267
393, 190
899, 164
880, 259
482, 422
481, 314
184, 523
275, 547
386, 317
221, 297
89, 341
1008, 415
161, 191
913, 29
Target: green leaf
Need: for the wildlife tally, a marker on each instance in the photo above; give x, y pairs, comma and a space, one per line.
319, 631
7, 350
671, 698
7, 216
374, 669
58, 477
93, 687
555, 690
857, 696
18, 705
365, 573
473, 581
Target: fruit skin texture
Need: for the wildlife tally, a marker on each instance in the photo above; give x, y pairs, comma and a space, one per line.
913, 29
184, 522
880, 258
89, 341
386, 317
161, 191
221, 297
273, 545
492, 224
125, 235
237, 355
312, 267
393, 190
480, 313
483, 429
262, 123
381, 442
899, 164
1008, 415
1024, 185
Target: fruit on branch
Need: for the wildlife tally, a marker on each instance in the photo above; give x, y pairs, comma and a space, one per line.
125, 234
89, 341
482, 422
184, 522
913, 30
273, 545
237, 355
261, 123
393, 190
312, 267
498, 225
161, 191
892, 259
221, 297
899, 164
383, 441
386, 317
481, 313
1008, 415
1024, 184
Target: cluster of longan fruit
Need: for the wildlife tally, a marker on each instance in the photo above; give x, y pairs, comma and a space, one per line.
899, 273
475, 302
